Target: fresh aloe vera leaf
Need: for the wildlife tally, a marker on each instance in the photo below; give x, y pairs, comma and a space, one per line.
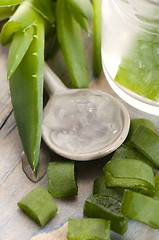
69, 36
10, 2
88, 228
97, 63
82, 21
26, 87
23, 17
39, 205
18, 48
83, 7
44, 8
6, 12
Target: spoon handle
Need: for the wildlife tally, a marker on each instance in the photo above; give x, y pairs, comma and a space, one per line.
52, 82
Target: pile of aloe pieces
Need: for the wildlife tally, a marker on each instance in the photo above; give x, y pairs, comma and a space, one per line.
27, 26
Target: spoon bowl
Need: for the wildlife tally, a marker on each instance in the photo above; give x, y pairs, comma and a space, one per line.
82, 124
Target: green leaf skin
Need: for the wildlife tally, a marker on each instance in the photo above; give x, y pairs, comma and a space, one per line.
69, 37
18, 48
88, 228
83, 7
26, 87
130, 173
82, 21
97, 63
140, 208
23, 17
44, 8
10, 2
6, 12
39, 205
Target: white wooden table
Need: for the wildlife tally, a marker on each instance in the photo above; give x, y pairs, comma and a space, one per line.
14, 225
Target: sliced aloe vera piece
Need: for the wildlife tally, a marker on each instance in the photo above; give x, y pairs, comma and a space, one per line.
130, 173
44, 8
38, 205
10, 2
127, 152
61, 179
69, 36
6, 12
138, 70
134, 123
147, 142
88, 228
23, 17
106, 207
26, 87
100, 187
83, 7
18, 48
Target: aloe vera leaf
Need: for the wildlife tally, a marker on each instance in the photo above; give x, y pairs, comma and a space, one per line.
18, 48
97, 63
6, 12
82, 21
84, 7
69, 37
23, 17
39, 205
10, 2
26, 87
44, 8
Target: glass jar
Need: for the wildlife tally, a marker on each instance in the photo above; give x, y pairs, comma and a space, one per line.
130, 51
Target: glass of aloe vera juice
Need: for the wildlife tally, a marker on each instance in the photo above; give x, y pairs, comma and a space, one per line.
130, 51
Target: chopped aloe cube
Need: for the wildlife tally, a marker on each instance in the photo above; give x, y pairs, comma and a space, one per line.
146, 141
61, 179
106, 207
38, 205
88, 229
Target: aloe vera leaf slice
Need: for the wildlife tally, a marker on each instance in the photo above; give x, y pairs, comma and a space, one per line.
82, 21
6, 12
127, 152
23, 17
130, 173
147, 142
18, 48
26, 87
140, 208
134, 123
83, 7
69, 37
61, 180
99, 187
38, 205
10, 2
106, 207
97, 62
44, 8
88, 228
